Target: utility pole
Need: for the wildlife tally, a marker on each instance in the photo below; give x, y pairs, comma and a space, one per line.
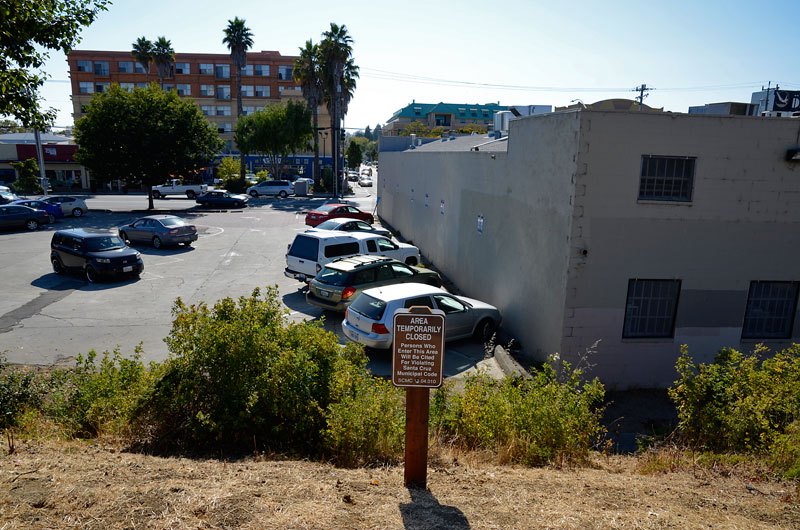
766, 101
42, 179
641, 90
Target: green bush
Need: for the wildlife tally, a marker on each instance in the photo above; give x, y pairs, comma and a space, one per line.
19, 390
235, 185
739, 402
552, 417
28, 180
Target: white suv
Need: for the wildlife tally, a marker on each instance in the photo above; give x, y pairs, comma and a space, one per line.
281, 188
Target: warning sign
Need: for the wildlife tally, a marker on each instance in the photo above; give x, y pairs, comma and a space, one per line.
418, 348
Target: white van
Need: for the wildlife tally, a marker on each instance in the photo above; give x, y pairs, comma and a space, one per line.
310, 251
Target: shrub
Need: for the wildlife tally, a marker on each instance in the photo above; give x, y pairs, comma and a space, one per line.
19, 390
552, 417
28, 180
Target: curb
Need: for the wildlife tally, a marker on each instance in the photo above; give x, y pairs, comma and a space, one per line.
510, 367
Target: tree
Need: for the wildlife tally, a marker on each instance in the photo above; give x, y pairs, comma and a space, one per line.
275, 132
239, 39
228, 171
354, 156
371, 150
472, 128
142, 51
164, 58
378, 132
307, 72
415, 127
27, 177
144, 136
10, 126
368, 133
27, 31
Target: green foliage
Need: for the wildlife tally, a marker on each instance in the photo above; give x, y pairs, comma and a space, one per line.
472, 128
262, 175
741, 402
27, 31
147, 135
19, 390
371, 150
552, 417
416, 127
354, 156
142, 51
10, 126
163, 57
27, 177
228, 169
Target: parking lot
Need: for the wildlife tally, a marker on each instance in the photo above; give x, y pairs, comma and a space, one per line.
47, 318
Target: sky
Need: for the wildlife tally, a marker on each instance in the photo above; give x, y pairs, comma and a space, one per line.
471, 52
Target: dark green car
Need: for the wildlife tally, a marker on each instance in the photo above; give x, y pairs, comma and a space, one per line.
341, 281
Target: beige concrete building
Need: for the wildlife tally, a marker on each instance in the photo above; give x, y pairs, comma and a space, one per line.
643, 231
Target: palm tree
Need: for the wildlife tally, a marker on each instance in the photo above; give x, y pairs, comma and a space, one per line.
143, 53
306, 71
164, 57
239, 39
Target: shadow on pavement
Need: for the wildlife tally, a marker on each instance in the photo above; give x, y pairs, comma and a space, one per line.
424, 511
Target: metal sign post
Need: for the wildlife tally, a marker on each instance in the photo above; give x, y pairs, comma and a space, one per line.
417, 363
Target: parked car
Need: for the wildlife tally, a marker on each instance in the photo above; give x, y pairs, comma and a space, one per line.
222, 199
53, 210
281, 188
365, 181
352, 175
366, 171
5, 188
70, 205
159, 230
333, 210
7, 197
341, 281
16, 215
345, 224
95, 253
368, 320
177, 187
310, 251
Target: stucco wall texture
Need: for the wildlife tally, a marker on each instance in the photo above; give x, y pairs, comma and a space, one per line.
564, 231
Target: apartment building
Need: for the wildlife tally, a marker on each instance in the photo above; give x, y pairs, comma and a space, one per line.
641, 230
448, 116
208, 78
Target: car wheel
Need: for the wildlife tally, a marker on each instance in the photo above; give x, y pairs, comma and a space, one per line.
191, 194
52, 218
77, 212
237, 204
91, 274
283, 194
32, 224
156, 242
411, 261
254, 194
156, 194
371, 220
124, 237
484, 329
58, 268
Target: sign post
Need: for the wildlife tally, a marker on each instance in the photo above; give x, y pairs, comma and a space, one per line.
417, 364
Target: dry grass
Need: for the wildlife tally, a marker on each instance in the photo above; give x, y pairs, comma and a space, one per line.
59, 485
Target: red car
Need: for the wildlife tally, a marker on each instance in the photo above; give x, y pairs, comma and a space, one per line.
330, 211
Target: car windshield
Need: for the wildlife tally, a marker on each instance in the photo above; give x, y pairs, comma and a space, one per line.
333, 277
172, 221
326, 208
369, 306
330, 224
98, 244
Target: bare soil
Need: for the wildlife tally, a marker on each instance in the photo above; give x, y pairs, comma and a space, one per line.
58, 485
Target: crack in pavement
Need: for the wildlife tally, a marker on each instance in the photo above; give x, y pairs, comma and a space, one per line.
32, 308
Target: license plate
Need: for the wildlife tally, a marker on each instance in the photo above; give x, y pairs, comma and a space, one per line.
326, 294
127, 269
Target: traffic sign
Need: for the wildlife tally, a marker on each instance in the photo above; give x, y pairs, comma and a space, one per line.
418, 347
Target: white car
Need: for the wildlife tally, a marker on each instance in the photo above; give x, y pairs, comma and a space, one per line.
74, 206
346, 224
369, 319
281, 188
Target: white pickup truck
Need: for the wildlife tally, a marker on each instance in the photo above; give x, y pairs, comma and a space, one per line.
174, 187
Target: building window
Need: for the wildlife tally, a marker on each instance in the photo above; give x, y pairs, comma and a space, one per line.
86, 87
140, 68
223, 110
261, 69
125, 67
101, 87
222, 71
285, 72
485, 113
224, 127
84, 108
207, 90
208, 110
417, 111
462, 111
650, 309
473, 113
101, 68
184, 90
281, 89
182, 68
246, 111
223, 92
247, 70
667, 178
262, 91
248, 90
141, 85
126, 87
770, 310
206, 69
84, 66
167, 87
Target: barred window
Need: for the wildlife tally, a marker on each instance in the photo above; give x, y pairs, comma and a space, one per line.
650, 309
667, 178
770, 310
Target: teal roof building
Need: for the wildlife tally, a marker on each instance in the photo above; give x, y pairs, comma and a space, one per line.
448, 116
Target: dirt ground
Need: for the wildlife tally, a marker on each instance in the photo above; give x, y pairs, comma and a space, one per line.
99, 486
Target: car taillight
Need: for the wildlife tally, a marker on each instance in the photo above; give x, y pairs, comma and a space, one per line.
173, 231
380, 329
346, 311
194, 228
348, 292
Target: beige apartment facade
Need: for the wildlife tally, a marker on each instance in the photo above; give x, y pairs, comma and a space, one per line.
208, 79
641, 231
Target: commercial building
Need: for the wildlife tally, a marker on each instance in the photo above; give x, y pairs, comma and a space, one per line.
61, 170
641, 230
448, 116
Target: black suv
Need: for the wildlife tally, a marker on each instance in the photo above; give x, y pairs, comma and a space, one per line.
94, 252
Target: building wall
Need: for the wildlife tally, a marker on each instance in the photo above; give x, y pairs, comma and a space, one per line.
519, 261
743, 224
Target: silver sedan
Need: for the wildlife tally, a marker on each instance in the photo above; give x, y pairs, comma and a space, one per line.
159, 230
